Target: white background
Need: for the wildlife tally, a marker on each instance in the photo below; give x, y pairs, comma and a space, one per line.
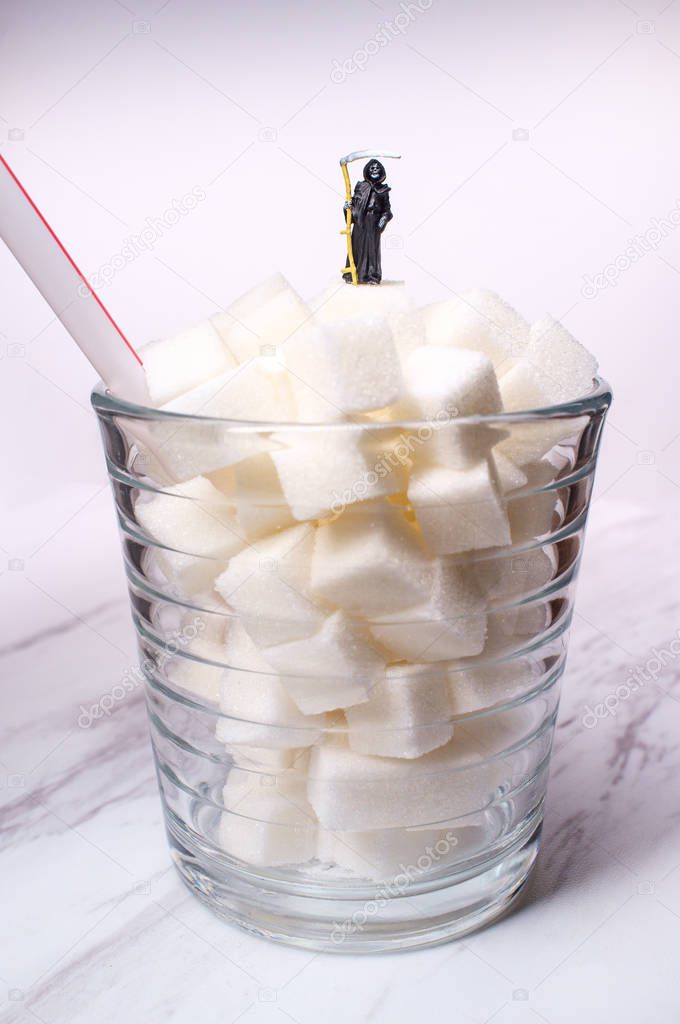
121, 113
537, 139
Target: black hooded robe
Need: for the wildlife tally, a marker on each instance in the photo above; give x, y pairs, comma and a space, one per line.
370, 202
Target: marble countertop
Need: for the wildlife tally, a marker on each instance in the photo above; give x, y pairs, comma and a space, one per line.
97, 927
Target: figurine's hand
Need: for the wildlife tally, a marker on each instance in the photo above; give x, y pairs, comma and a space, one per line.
347, 206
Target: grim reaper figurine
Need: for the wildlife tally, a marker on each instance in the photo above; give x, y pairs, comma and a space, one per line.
370, 212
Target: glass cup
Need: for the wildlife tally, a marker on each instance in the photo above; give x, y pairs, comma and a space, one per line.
352, 682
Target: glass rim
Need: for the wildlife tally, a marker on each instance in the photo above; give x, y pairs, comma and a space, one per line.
599, 398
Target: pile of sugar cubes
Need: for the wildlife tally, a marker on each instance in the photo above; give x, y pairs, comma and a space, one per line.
338, 558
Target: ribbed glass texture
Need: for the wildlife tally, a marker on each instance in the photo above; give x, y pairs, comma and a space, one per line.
352, 682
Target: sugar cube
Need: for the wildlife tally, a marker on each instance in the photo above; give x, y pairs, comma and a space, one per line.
515, 574
258, 390
510, 477
352, 792
511, 629
191, 444
268, 585
334, 668
198, 638
458, 510
177, 364
370, 560
253, 487
479, 688
263, 318
259, 759
256, 710
554, 368
455, 445
340, 301
446, 382
530, 440
328, 468
450, 623
267, 825
535, 513
482, 321
344, 368
191, 447
407, 713
392, 853
196, 528
408, 331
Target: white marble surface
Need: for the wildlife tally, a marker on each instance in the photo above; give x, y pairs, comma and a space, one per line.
98, 928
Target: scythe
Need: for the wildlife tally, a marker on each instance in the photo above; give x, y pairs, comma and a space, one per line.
360, 154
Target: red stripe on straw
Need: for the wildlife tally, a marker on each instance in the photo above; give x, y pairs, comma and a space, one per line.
69, 257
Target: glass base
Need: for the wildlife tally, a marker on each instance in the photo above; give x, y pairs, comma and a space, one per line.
372, 917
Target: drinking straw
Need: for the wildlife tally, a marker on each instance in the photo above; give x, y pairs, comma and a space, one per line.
57, 277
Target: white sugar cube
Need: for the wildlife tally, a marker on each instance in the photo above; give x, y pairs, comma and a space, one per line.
408, 331
193, 447
511, 629
353, 792
268, 585
253, 486
555, 368
450, 623
258, 390
262, 319
447, 382
455, 445
389, 853
458, 510
198, 640
326, 469
196, 671
347, 367
263, 758
407, 714
536, 513
482, 321
335, 668
529, 441
370, 560
262, 697
515, 574
510, 477
342, 301
207, 618
267, 825
197, 530
521, 388
480, 688
257, 710
312, 363
175, 365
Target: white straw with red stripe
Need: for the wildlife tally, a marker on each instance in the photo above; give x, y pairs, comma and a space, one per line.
57, 277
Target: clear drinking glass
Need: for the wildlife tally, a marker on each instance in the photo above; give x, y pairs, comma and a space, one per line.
375, 818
